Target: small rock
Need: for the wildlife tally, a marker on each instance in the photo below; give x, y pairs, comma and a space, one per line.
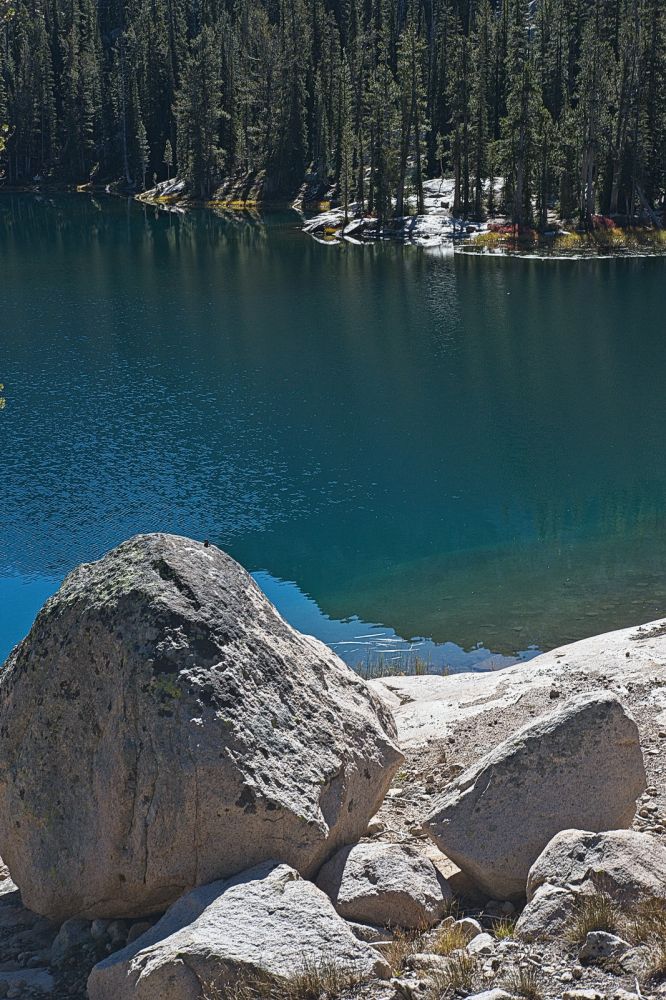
491, 995
599, 944
583, 995
624, 864
117, 932
470, 928
98, 928
577, 972
387, 884
73, 935
481, 944
546, 915
137, 929
370, 933
425, 962
410, 989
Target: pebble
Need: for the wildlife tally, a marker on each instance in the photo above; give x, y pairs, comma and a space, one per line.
599, 944
481, 944
136, 930
471, 928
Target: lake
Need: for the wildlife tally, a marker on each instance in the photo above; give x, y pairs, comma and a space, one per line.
398, 442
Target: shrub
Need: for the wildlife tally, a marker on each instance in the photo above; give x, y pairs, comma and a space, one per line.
603, 222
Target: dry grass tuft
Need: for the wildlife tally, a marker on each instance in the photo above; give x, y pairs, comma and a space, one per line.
461, 973
597, 912
646, 925
526, 982
404, 944
647, 921
450, 938
656, 963
504, 927
315, 980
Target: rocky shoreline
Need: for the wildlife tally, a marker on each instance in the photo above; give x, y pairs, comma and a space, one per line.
197, 803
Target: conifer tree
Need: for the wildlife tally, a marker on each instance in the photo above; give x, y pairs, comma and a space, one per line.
199, 113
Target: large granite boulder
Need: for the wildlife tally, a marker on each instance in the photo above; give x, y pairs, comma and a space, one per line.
387, 884
266, 924
580, 766
623, 864
162, 727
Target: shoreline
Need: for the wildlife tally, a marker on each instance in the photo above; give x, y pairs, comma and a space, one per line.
436, 229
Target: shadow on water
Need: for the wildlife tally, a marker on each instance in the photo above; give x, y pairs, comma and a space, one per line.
467, 449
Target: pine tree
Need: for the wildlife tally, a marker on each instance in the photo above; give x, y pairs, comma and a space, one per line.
413, 121
382, 127
167, 158
522, 111
480, 100
346, 169
199, 113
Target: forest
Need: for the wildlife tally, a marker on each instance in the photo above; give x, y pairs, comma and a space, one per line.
548, 106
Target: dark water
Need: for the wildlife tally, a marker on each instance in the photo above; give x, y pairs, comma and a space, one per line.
465, 449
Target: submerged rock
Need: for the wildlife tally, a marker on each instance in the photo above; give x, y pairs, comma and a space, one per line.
162, 726
386, 884
267, 924
579, 766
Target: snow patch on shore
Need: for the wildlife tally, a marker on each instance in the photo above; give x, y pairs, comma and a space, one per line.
437, 227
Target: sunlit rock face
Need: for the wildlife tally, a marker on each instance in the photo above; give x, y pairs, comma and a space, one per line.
162, 726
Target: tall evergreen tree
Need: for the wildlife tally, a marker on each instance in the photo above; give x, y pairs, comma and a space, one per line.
199, 114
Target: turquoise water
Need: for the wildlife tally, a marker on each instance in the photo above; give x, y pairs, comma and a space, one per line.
398, 442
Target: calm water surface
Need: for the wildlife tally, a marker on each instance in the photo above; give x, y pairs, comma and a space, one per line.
397, 442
